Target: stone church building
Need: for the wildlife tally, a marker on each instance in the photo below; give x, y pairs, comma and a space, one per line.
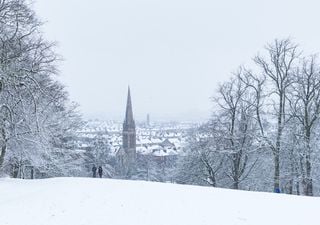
127, 155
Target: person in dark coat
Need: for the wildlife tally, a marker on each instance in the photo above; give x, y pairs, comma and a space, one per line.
100, 171
94, 171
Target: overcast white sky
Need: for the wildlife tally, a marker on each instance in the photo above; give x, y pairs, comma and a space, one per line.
173, 53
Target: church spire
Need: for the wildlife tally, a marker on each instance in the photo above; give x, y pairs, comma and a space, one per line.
129, 114
129, 135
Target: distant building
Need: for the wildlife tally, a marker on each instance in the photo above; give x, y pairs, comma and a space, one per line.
126, 156
148, 120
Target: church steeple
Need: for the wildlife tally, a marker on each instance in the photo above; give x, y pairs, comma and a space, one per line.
129, 130
129, 114
127, 155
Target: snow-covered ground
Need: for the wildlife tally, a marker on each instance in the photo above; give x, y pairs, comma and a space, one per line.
88, 201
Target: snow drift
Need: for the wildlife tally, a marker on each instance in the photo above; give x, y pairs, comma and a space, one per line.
87, 201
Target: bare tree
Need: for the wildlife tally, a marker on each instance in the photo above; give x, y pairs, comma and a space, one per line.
202, 163
305, 108
278, 67
236, 134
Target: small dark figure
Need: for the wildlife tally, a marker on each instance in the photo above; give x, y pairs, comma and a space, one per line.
32, 173
277, 190
94, 171
100, 171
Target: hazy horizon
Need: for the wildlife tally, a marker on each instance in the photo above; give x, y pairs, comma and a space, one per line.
171, 53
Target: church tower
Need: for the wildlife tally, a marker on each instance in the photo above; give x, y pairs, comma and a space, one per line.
127, 154
129, 130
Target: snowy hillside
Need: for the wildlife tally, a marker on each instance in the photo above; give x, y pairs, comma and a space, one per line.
85, 201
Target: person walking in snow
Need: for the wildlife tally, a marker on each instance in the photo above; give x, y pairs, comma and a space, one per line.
94, 171
100, 171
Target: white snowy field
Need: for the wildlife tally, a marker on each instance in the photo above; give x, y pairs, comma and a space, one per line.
88, 201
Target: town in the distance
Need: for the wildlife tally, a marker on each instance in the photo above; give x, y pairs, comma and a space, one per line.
145, 150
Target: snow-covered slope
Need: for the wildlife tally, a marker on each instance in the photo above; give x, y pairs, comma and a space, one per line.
87, 201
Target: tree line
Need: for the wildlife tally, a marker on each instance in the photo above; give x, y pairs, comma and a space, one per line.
264, 131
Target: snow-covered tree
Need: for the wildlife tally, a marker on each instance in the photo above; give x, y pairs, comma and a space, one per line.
35, 114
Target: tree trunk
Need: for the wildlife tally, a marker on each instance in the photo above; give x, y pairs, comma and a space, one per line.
276, 173
278, 145
290, 187
3, 147
235, 185
2, 154
308, 182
